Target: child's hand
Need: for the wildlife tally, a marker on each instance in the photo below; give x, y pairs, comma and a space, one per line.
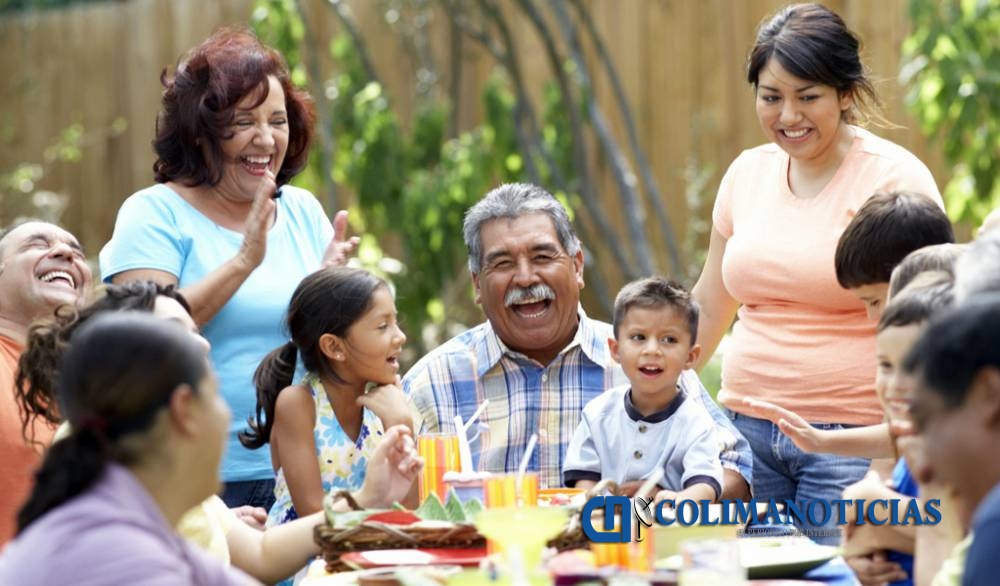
252, 516
875, 569
803, 435
665, 495
391, 470
389, 404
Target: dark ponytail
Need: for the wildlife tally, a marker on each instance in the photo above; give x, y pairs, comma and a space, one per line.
115, 377
71, 466
275, 372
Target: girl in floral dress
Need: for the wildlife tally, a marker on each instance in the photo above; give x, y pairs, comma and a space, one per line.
323, 429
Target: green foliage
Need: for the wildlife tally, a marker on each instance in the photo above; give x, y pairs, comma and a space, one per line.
412, 187
952, 65
20, 195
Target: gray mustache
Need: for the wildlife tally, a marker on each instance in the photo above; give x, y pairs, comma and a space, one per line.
519, 294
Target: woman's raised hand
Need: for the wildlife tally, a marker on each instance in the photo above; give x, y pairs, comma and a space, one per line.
254, 245
341, 247
392, 468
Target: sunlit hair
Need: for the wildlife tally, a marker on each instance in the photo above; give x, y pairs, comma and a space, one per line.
977, 269
937, 258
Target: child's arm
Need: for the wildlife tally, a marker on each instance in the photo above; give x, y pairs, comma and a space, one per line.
280, 551
699, 491
872, 441
585, 484
293, 448
388, 403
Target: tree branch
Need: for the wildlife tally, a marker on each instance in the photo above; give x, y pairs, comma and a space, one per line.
343, 13
585, 185
624, 177
637, 151
326, 138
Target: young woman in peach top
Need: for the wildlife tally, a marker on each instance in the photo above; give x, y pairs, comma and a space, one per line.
801, 341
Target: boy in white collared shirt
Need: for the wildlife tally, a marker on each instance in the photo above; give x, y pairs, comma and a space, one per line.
628, 432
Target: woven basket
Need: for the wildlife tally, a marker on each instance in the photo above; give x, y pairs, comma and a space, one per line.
372, 535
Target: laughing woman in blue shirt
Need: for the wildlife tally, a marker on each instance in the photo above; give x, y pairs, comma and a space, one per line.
222, 224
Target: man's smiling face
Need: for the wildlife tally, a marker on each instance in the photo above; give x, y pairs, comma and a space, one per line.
42, 266
529, 287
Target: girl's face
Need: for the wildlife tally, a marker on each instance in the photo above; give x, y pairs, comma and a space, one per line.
802, 117
891, 385
373, 343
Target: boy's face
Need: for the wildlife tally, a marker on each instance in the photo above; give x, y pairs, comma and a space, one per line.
956, 439
893, 387
653, 347
873, 296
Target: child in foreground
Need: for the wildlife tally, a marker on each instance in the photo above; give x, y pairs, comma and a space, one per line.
324, 428
629, 432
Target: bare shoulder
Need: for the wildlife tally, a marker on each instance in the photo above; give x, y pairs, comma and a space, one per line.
295, 404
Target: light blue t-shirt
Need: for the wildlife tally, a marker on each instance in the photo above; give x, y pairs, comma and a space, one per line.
157, 229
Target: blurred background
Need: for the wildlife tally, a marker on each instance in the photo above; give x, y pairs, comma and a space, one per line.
628, 110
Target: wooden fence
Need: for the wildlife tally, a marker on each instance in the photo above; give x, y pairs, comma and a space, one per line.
681, 63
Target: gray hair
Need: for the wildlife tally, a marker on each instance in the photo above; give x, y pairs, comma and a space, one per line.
511, 201
978, 268
937, 258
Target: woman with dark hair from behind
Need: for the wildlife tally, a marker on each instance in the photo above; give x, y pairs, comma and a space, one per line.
148, 432
268, 556
801, 342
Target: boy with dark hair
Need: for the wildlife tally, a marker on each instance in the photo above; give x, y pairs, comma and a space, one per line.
888, 227
629, 432
956, 410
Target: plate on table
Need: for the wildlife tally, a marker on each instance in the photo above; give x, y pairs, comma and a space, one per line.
772, 557
783, 557
380, 558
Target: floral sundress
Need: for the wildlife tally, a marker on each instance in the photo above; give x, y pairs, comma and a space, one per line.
342, 461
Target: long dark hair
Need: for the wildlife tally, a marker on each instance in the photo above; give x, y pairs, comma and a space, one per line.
118, 372
812, 43
34, 388
328, 301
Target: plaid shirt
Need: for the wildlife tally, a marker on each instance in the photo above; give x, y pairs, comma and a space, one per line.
526, 397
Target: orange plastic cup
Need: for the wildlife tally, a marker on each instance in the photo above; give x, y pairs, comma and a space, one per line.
440, 454
501, 491
633, 556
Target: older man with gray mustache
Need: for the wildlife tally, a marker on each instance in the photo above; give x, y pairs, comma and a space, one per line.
538, 358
